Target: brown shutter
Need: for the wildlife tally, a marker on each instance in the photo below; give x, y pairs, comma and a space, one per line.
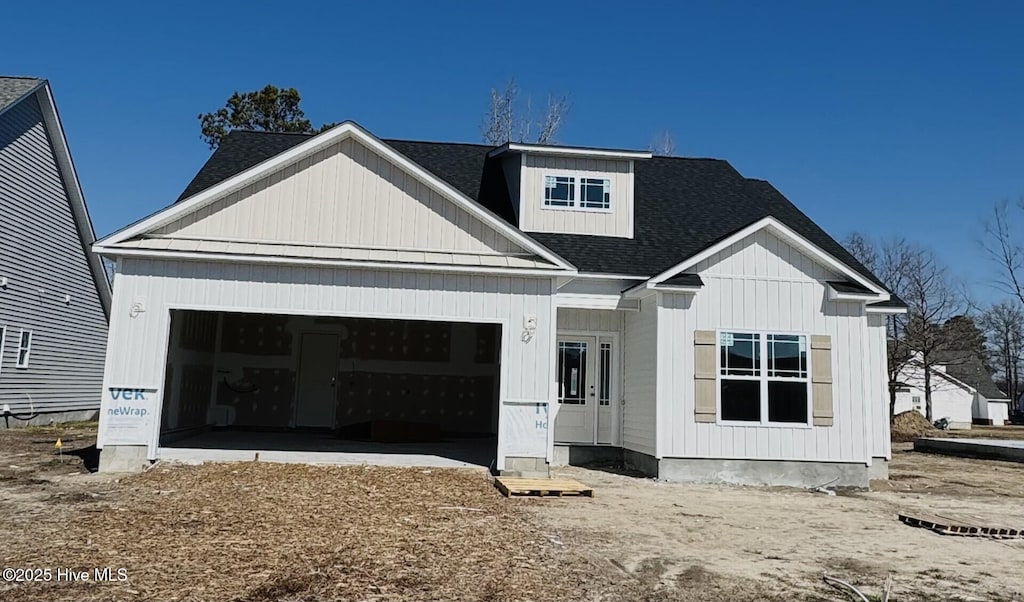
705, 345
821, 379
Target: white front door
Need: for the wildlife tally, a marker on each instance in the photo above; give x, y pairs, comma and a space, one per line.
318, 373
577, 395
587, 370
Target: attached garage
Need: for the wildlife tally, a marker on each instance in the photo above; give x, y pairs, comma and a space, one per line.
240, 382
334, 299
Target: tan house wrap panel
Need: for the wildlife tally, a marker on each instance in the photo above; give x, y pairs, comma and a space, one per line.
821, 380
704, 398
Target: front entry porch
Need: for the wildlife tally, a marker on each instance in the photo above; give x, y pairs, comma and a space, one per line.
588, 372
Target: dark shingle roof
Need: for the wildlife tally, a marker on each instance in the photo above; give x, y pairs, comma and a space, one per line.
682, 206
847, 287
969, 370
684, 280
13, 88
238, 151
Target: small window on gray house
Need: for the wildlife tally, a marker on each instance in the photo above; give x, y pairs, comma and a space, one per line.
595, 193
559, 191
24, 348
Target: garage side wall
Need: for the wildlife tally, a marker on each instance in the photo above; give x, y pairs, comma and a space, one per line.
138, 345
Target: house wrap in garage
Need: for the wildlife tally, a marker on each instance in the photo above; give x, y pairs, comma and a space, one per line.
514, 307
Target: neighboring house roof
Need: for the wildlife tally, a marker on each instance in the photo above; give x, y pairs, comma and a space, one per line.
681, 206
971, 371
12, 91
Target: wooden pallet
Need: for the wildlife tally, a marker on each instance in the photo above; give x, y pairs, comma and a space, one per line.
959, 524
543, 487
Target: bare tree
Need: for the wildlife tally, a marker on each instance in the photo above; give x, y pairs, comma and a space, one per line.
1004, 327
663, 143
933, 330
890, 261
510, 119
1001, 243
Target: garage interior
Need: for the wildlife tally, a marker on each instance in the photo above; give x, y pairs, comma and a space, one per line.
349, 390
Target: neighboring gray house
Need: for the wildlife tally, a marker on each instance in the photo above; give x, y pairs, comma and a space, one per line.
54, 294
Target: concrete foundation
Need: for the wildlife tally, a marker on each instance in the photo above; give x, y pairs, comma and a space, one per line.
879, 469
582, 455
640, 461
123, 458
1010, 450
47, 418
526, 467
764, 472
757, 472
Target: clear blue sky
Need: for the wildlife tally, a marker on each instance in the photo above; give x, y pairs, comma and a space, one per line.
889, 118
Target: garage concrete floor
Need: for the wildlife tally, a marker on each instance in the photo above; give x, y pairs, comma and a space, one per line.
323, 448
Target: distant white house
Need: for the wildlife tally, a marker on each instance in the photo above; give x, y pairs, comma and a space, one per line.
962, 392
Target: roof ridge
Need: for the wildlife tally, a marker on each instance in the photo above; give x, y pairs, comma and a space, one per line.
32, 77
473, 144
311, 134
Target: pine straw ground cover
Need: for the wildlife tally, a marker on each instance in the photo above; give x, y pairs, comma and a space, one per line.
257, 532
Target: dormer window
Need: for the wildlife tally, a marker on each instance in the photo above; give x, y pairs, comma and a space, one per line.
593, 193
596, 193
559, 191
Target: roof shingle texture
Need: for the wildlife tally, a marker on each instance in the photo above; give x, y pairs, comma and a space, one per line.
13, 88
682, 206
969, 370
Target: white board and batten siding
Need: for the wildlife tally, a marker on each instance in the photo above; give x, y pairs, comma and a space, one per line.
43, 259
589, 320
640, 385
764, 284
138, 345
345, 195
535, 217
879, 379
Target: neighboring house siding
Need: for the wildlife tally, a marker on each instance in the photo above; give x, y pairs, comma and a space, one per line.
42, 257
639, 414
347, 196
949, 400
879, 381
535, 217
139, 344
764, 284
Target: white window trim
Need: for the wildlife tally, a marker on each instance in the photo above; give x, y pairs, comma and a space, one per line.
763, 378
577, 192
19, 363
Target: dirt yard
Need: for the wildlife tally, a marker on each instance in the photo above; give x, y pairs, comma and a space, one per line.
263, 532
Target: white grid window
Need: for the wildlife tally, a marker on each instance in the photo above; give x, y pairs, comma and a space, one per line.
559, 191
24, 348
763, 378
595, 193
569, 192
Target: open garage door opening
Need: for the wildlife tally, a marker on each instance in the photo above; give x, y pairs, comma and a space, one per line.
330, 389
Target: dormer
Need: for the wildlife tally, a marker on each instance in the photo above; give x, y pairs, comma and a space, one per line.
571, 190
